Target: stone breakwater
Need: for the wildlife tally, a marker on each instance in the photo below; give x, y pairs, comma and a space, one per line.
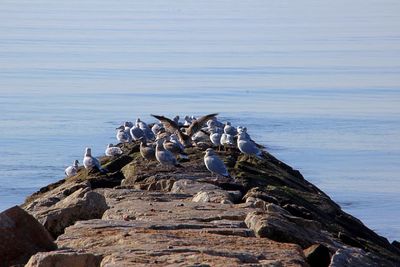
142, 214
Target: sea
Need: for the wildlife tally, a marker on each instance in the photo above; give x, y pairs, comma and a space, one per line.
316, 82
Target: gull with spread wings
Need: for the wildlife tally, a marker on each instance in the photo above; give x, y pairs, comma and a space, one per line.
184, 137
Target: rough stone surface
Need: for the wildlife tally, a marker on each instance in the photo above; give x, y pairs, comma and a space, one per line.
21, 236
318, 255
141, 243
83, 204
396, 244
355, 257
191, 187
165, 229
286, 228
64, 258
216, 196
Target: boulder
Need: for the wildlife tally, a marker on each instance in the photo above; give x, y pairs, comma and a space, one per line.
64, 258
355, 257
282, 227
396, 244
83, 204
317, 255
21, 236
215, 196
191, 187
259, 193
48, 196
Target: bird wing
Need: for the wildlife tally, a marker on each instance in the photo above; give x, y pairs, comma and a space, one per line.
169, 124
250, 147
197, 124
217, 165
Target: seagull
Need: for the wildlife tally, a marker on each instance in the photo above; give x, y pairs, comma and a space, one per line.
72, 170
146, 151
128, 125
214, 164
174, 138
228, 129
122, 135
136, 132
146, 130
187, 121
214, 122
176, 119
184, 137
176, 148
112, 151
227, 140
241, 129
200, 137
215, 137
247, 146
165, 157
91, 162
156, 128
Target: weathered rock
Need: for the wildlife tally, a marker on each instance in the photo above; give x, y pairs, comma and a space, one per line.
318, 255
322, 209
258, 193
282, 227
355, 257
83, 204
215, 196
21, 236
396, 244
157, 228
191, 187
64, 258
236, 195
160, 206
140, 243
45, 199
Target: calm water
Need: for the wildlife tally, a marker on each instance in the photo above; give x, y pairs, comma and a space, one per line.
318, 83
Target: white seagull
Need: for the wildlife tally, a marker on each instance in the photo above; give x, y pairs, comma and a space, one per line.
72, 170
247, 146
214, 164
112, 151
165, 157
122, 135
91, 162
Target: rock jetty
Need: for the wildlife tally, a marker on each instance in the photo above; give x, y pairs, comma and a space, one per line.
139, 213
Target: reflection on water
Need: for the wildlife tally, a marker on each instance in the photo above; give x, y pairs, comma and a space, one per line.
317, 83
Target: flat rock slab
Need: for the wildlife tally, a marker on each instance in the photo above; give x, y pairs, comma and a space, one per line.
141, 243
144, 228
158, 206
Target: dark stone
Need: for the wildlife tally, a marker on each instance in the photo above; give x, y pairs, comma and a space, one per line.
396, 244
108, 180
118, 163
347, 239
298, 211
317, 255
21, 236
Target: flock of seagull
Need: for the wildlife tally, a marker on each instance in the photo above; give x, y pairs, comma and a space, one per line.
166, 140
